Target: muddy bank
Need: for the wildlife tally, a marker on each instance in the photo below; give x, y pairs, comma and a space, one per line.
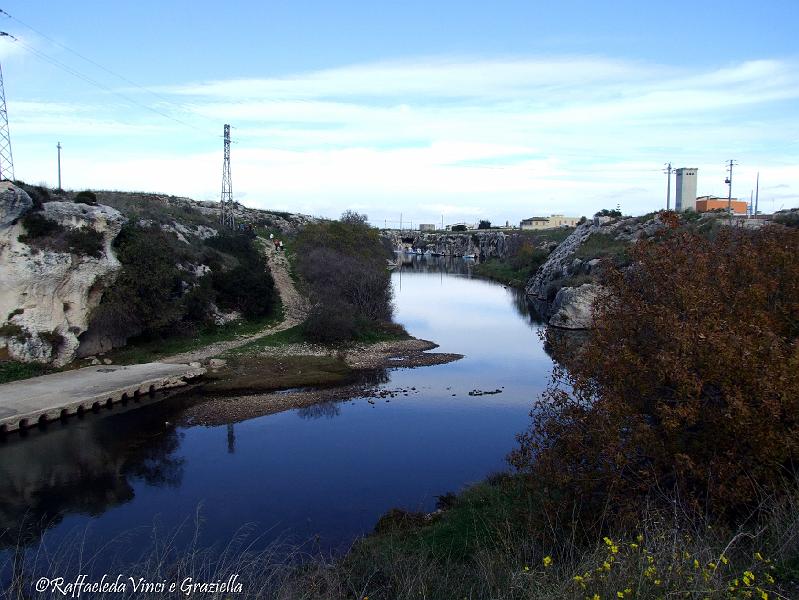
300, 375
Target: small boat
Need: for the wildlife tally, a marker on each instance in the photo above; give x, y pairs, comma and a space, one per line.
471, 256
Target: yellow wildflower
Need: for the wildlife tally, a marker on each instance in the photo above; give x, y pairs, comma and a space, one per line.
606, 565
628, 590
657, 581
634, 546
640, 538
758, 556
620, 594
608, 541
614, 549
696, 564
596, 597
526, 568
547, 561
724, 559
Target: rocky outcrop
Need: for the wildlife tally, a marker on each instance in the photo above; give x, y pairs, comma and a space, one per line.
481, 244
573, 306
564, 287
46, 295
14, 203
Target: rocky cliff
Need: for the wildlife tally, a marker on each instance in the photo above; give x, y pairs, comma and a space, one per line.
482, 244
564, 287
50, 282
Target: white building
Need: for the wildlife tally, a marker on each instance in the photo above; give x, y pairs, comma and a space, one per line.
685, 189
549, 222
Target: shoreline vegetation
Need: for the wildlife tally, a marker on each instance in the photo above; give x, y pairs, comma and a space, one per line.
526, 252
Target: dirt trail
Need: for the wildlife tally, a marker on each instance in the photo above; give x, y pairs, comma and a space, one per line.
295, 309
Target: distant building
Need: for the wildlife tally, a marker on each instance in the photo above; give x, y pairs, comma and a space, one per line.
708, 203
459, 225
427, 227
685, 189
549, 222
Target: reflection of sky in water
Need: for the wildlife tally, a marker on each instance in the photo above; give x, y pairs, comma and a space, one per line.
331, 470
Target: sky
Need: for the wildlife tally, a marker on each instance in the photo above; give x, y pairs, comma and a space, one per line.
420, 111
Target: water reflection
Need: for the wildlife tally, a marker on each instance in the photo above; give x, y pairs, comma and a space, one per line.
331, 472
85, 467
326, 410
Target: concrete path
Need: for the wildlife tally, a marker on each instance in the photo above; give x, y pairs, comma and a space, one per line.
50, 397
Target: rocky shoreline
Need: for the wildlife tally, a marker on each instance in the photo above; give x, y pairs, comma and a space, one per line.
363, 360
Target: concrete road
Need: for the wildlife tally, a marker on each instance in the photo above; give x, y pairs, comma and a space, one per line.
24, 403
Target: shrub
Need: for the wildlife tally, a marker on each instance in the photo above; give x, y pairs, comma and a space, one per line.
86, 242
787, 218
459, 228
689, 382
86, 197
145, 296
342, 263
484, 224
38, 226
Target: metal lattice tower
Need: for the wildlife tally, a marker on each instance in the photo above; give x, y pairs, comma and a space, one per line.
226, 201
6, 158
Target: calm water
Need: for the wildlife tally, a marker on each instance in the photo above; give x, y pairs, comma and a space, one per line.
330, 471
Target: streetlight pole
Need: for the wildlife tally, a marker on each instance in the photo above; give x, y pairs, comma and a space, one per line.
59, 165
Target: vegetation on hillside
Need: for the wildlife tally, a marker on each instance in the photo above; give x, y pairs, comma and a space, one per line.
526, 252
688, 385
154, 297
342, 265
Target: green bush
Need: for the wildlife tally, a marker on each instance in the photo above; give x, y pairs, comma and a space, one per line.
86, 197
86, 242
343, 267
789, 219
38, 226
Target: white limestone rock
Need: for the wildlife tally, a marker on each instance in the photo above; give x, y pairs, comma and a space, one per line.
14, 203
46, 296
573, 306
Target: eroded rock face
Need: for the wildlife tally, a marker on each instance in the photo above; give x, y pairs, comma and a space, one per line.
572, 308
46, 296
481, 244
14, 203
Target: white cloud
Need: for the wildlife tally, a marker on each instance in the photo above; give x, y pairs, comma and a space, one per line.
503, 138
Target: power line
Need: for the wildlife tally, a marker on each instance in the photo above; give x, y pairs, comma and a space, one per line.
75, 73
87, 59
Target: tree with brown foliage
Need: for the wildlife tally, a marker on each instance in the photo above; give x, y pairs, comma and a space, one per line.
688, 385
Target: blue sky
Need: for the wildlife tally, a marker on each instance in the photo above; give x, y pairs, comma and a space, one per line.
498, 110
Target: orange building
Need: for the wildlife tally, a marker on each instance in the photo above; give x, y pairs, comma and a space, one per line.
708, 203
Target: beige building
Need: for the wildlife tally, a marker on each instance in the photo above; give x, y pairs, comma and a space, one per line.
549, 222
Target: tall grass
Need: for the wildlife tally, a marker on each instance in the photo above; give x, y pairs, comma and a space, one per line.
481, 547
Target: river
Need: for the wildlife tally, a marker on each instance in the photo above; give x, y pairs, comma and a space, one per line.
326, 472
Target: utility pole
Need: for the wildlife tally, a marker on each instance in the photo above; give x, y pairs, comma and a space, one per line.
226, 200
728, 181
6, 158
757, 191
667, 171
59, 165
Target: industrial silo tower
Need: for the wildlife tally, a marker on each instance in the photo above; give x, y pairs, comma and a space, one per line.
686, 189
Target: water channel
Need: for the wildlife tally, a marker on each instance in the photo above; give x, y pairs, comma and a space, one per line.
328, 471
